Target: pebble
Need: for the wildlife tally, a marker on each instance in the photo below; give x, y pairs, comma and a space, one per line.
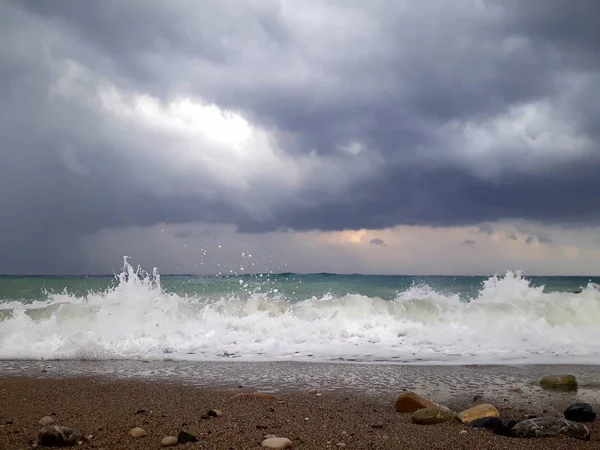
184, 436
168, 441
431, 416
478, 412
215, 413
550, 426
276, 443
580, 412
494, 424
409, 402
46, 420
562, 382
55, 436
137, 432
340, 444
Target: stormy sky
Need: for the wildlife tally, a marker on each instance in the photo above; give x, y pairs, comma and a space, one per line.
324, 135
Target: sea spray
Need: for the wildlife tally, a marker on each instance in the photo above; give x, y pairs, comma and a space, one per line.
508, 319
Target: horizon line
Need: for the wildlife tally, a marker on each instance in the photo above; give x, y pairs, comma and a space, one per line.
105, 275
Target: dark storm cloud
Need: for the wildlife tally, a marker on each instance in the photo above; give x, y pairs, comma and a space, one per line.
410, 82
377, 241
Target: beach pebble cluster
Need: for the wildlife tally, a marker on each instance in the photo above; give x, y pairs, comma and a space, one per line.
422, 410
486, 416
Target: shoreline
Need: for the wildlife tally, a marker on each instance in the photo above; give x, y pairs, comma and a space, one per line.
317, 415
442, 382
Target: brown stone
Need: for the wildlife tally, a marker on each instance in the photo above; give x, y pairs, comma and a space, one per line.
409, 402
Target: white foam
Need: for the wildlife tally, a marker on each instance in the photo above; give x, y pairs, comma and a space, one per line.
509, 320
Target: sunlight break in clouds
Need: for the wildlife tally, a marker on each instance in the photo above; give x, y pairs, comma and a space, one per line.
204, 248
205, 142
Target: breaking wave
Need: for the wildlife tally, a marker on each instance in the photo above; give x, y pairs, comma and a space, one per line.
508, 320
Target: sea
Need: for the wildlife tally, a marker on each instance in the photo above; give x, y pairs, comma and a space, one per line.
134, 315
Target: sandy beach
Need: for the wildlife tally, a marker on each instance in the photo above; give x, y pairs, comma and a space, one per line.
106, 408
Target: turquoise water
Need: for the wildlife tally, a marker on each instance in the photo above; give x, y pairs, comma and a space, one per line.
291, 286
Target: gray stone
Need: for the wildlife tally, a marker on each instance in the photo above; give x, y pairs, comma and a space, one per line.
55, 436
550, 426
580, 412
46, 420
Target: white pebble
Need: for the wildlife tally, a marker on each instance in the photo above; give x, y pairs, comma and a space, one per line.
277, 443
137, 432
168, 441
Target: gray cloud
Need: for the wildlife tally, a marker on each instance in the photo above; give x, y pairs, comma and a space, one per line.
377, 241
542, 239
511, 236
469, 242
492, 117
485, 229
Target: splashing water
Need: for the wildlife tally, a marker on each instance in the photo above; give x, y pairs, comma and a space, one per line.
507, 320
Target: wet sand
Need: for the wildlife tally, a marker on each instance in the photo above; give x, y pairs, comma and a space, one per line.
107, 407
